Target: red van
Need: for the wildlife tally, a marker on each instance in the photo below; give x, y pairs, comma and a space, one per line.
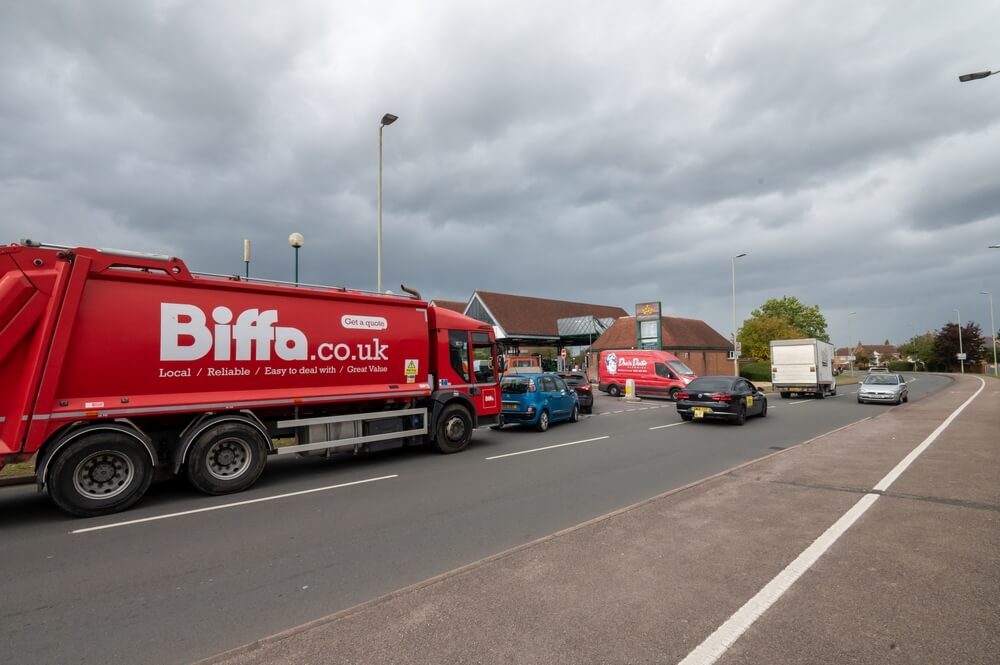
656, 373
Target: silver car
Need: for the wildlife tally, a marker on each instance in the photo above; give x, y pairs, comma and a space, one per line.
888, 388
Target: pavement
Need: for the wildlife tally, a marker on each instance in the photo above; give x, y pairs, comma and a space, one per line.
827, 552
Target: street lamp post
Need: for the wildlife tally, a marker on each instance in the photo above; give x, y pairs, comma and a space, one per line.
850, 356
993, 334
736, 356
296, 241
387, 120
961, 353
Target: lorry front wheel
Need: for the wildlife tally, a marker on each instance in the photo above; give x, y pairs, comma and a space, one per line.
226, 458
99, 474
454, 430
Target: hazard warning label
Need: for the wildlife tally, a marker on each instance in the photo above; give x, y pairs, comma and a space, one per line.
412, 367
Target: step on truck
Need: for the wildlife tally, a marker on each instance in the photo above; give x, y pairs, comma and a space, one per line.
117, 365
802, 367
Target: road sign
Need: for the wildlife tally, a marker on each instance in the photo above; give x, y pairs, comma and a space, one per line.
960, 356
739, 348
563, 353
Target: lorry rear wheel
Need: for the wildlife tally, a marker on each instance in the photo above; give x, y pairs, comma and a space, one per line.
454, 430
226, 458
614, 390
821, 393
99, 474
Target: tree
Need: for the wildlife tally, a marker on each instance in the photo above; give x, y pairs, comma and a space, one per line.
921, 349
946, 345
757, 333
808, 320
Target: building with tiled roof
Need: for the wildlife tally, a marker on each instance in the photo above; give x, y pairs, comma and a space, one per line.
453, 305
528, 320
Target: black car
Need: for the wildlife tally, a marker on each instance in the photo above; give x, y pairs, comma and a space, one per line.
724, 397
584, 391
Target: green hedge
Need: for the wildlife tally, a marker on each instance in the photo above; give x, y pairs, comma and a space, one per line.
756, 371
900, 366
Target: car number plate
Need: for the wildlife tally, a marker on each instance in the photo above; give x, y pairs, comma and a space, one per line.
510, 407
700, 411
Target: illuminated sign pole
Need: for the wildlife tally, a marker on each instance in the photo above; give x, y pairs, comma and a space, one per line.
648, 327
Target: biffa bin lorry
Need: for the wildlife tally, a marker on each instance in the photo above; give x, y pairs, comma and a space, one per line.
116, 364
802, 367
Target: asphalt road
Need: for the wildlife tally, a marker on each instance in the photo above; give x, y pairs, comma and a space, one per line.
184, 586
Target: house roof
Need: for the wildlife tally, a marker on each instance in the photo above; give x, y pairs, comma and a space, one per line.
453, 305
525, 315
882, 349
676, 333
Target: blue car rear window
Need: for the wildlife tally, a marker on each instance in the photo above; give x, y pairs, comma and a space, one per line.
515, 385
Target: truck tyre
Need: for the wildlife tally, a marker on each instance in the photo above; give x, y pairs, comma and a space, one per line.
833, 390
614, 390
454, 430
821, 393
543, 421
100, 473
226, 458
673, 394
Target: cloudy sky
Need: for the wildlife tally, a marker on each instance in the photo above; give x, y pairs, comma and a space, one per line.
603, 152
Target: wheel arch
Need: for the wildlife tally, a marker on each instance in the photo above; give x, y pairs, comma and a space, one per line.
204, 422
442, 400
66, 437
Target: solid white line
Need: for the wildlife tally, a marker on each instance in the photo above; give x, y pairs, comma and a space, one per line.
230, 505
671, 425
716, 645
558, 445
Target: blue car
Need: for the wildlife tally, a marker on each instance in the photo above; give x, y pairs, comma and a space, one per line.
537, 399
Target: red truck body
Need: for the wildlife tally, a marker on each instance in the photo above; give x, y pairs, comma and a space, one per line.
97, 344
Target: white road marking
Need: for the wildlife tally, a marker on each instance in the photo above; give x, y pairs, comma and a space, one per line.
671, 425
229, 505
716, 645
558, 445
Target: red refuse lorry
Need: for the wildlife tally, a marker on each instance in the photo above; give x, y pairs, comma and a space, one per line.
114, 365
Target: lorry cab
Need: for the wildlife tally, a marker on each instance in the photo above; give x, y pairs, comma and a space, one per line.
656, 373
464, 361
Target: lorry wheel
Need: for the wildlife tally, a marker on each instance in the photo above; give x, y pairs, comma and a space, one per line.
454, 430
833, 390
614, 390
543, 421
821, 393
226, 458
99, 474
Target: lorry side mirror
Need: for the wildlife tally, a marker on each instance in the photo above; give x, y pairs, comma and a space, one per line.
502, 363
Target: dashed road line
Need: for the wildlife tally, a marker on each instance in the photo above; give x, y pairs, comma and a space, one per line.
558, 445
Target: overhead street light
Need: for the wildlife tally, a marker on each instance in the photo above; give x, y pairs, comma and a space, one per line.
387, 120
736, 356
961, 353
296, 241
994, 247
965, 78
993, 334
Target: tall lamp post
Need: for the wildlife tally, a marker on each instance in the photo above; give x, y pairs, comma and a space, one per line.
993, 334
961, 353
736, 356
850, 355
387, 120
296, 240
